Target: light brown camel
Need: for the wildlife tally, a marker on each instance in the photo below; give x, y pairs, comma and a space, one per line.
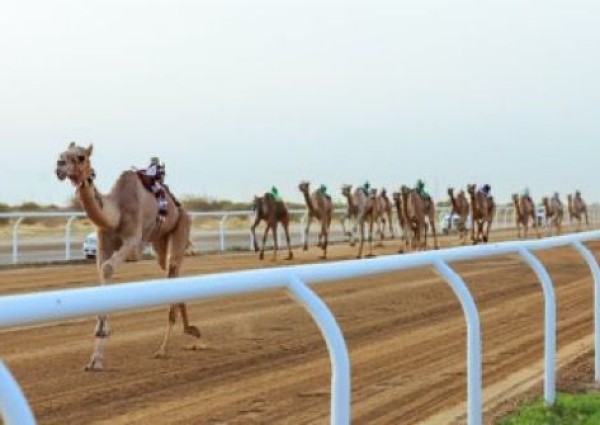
385, 213
414, 218
272, 211
524, 210
320, 207
577, 209
397, 197
126, 219
482, 213
460, 207
554, 213
351, 214
368, 212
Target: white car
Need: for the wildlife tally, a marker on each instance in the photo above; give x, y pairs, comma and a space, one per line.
90, 248
90, 245
446, 227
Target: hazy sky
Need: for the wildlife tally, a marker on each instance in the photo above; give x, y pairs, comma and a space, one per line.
237, 95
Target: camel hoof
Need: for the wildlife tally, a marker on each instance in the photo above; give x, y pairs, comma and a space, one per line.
193, 331
370, 255
261, 256
160, 354
93, 366
107, 270
197, 346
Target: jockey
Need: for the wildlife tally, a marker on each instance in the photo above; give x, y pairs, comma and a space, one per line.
526, 193
486, 189
275, 193
366, 188
420, 189
156, 173
323, 190
556, 197
577, 194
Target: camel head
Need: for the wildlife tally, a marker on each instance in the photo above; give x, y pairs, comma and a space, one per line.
451, 192
515, 197
256, 202
346, 190
373, 193
404, 189
383, 192
304, 186
471, 189
74, 164
396, 196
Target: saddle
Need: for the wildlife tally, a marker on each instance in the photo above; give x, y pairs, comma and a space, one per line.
148, 182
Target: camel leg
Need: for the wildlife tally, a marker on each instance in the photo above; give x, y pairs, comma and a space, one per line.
325, 236
362, 238
275, 244
433, 232
354, 230
261, 256
253, 231
371, 225
177, 242
306, 230
106, 245
286, 229
535, 225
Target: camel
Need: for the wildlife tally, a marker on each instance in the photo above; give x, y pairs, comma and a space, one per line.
414, 218
524, 210
385, 213
482, 213
554, 213
125, 219
368, 211
320, 207
351, 214
460, 207
577, 208
272, 211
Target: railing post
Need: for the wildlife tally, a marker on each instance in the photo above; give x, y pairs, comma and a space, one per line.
589, 257
15, 240
474, 380
338, 352
222, 231
550, 324
68, 237
14, 408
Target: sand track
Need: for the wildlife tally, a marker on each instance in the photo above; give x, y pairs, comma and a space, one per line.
267, 362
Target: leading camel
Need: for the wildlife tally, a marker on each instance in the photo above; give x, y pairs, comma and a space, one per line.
460, 207
125, 219
320, 207
368, 212
272, 211
385, 213
414, 218
577, 209
524, 210
482, 213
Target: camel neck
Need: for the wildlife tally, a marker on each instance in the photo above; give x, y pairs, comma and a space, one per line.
93, 204
308, 201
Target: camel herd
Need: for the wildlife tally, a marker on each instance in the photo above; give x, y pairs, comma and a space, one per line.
370, 213
127, 218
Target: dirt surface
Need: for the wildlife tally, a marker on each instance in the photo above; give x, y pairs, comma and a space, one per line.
266, 362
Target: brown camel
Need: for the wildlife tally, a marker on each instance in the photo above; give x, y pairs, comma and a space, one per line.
482, 213
126, 219
385, 213
414, 217
554, 213
368, 211
524, 210
351, 214
577, 209
320, 207
272, 211
460, 207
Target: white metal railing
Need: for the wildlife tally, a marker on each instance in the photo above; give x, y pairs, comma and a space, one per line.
18, 310
221, 232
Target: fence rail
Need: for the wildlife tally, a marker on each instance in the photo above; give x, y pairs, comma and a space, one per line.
18, 310
221, 238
